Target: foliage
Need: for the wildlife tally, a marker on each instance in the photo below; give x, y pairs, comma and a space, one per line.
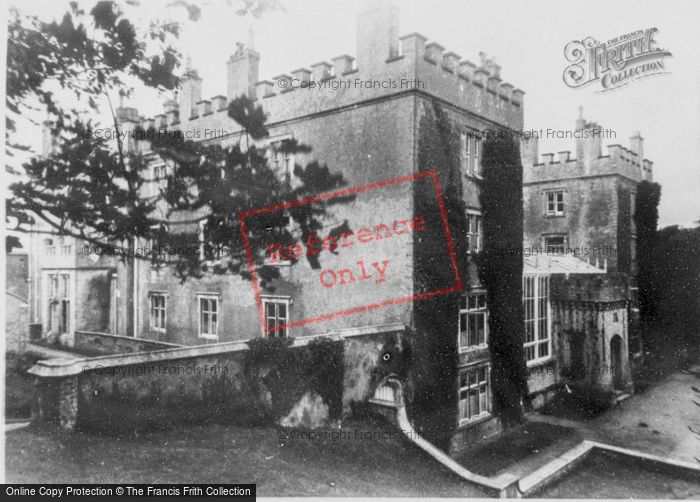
434, 350
501, 271
95, 190
646, 218
290, 372
676, 282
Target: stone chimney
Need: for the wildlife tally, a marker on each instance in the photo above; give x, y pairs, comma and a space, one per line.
588, 145
637, 146
377, 36
529, 150
243, 70
190, 93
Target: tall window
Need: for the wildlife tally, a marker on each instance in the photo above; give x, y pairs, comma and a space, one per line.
64, 319
65, 245
473, 321
208, 251
158, 305
282, 161
160, 178
536, 305
554, 203
476, 158
465, 152
470, 154
634, 298
208, 316
276, 314
474, 232
474, 393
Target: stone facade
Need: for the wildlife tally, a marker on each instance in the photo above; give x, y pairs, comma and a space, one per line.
371, 133
584, 207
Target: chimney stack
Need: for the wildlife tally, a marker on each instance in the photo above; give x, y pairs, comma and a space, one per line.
377, 36
637, 146
190, 93
243, 70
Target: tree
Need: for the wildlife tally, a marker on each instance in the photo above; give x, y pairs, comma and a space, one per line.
646, 219
501, 271
88, 189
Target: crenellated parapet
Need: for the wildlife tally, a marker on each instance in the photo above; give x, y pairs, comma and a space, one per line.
589, 159
385, 65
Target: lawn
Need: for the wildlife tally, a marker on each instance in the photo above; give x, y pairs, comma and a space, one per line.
521, 444
606, 476
369, 458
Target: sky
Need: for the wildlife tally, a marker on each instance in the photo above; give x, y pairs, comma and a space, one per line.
526, 38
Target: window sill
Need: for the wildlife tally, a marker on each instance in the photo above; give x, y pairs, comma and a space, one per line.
539, 362
473, 348
466, 423
546, 215
209, 337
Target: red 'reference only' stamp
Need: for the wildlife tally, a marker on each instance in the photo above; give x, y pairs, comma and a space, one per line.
363, 271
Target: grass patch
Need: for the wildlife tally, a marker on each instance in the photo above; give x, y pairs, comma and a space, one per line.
370, 459
489, 458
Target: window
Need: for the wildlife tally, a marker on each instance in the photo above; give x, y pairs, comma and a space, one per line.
208, 316
160, 179
634, 298
53, 280
554, 203
282, 161
474, 392
56, 317
537, 329
470, 156
465, 150
158, 245
474, 233
555, 244
50, 247
65, 245
476, 158
64, 320
158, 303
208, 251
473, 321
276, 314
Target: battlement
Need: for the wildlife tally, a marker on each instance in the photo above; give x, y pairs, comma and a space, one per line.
589, 160
385, 64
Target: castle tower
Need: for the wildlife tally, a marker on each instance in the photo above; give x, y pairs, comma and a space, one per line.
377, 36
243, 68
190, 92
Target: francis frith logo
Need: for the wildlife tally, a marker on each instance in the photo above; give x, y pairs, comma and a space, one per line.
615, 63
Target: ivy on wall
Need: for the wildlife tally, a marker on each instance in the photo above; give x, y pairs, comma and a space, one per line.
289, 372
434, 353
501, 271
646, 218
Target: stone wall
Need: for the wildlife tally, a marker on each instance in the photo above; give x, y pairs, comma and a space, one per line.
92, 343
161, 388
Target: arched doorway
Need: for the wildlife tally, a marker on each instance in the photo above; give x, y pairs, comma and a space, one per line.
616, 361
